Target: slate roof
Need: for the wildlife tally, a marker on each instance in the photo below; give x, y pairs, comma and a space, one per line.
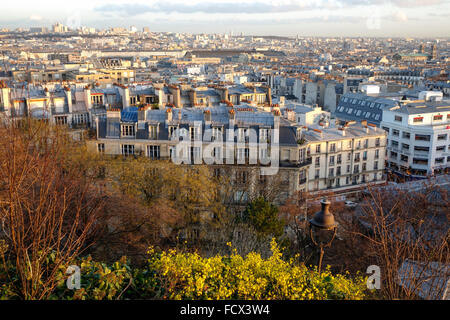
358, 106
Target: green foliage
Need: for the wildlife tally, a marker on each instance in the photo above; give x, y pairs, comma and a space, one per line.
182, 275
263, 216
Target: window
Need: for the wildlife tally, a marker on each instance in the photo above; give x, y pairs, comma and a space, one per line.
403, 158
422, 137
128, 131
194, 133
127, 149
398, 118
318, 148
356, 169
377, 154
377, 142
101, 147
405, 146
317, 161
349, 144
333, 147
364, 166
331, 160
420, 161
441, 137
440, 148
375, 165
421, 149
242, 177
172, 131
348, 168
331, 172
418, 119
386, 129
153, 152
153, 132
437, 117
406, 135
365, 155
439, 160
317, 174
263, 135
338, 171
194, 154
395, 132
366, 143
339, 159
357, 158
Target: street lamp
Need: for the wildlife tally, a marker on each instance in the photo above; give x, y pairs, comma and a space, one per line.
322, 223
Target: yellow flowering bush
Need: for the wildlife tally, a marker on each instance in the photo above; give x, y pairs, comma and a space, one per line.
190, 276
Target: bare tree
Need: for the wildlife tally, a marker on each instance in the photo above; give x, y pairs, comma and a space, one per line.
48, 203
408, 234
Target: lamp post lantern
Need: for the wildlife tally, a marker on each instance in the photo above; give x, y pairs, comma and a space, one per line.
323, 221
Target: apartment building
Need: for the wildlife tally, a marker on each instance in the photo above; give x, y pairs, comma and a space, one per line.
251, 147
345, 157
304, 159
418, 137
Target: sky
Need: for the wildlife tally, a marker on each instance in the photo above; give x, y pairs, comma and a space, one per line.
383, 18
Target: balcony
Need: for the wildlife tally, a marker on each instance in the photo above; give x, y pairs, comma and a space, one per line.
296, 164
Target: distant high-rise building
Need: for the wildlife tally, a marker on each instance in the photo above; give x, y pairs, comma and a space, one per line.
434, 52
421, 48
38, 29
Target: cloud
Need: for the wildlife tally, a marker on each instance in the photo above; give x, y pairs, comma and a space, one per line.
223, 7
35, 17
252, 7
400, 16
417, 3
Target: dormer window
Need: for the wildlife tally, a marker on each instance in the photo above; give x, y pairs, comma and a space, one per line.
194, 133
128, 130
263, 135
153, 132
216, 133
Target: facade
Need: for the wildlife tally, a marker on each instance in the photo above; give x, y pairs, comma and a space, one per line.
418, 134
345, 157
241, 144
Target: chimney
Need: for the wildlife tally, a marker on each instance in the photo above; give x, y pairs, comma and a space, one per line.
142, 114
223, 93
160, 97
269, 96
193, 97
176, 92
207, 116
4, 98
276, 119
169, 114
231, 116
125, 97
69, 98
87, 97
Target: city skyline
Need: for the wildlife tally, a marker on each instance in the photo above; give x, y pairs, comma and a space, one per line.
372, 18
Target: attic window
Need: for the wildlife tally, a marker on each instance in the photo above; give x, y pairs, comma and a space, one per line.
418, 119
438, 117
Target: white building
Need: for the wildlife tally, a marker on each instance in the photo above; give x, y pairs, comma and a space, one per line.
345, 157
418, 134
